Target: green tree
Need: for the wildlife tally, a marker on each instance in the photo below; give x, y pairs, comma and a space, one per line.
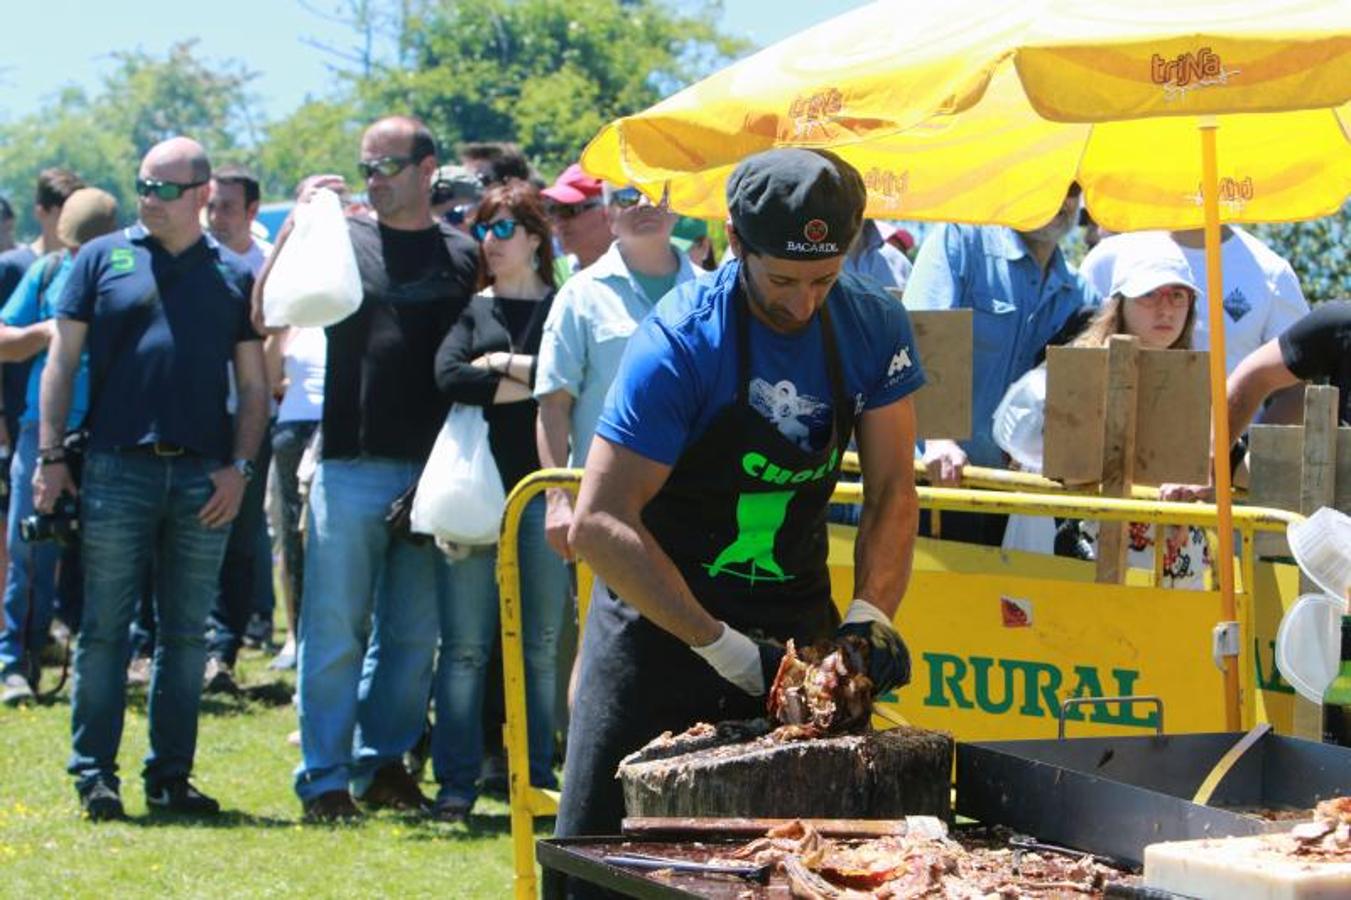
546, 74
142, 101
1317, 252
320, 136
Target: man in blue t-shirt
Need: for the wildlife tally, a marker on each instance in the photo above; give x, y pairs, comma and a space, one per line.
703, 507
26, 328
163, 312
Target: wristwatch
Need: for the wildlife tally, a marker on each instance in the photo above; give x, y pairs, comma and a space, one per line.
246, 468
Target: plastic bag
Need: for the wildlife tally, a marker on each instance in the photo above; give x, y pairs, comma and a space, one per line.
1020, 420
460, 497
315, 281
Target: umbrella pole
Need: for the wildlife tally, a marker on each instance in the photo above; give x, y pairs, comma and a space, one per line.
1219, 407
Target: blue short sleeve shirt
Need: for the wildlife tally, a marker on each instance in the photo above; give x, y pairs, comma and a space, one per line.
162, 330
680, 368
28, 305
1017, 309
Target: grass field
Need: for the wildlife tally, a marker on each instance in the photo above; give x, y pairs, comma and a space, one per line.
256, 848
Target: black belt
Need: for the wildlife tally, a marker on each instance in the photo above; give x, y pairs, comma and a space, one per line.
163, 449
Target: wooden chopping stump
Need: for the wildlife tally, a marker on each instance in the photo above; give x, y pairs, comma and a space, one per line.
736, 770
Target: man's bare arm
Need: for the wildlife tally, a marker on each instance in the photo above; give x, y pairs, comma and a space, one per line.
58, 381
20, 343
608, 531
884, 550
251, 415
553, 433
1259, 375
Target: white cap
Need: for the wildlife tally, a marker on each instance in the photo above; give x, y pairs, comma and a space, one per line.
1149, 261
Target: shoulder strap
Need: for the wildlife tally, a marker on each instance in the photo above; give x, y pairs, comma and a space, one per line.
51, 264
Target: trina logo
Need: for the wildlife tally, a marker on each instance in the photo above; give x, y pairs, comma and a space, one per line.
1186, 68
815, 231
823, 103
892, 185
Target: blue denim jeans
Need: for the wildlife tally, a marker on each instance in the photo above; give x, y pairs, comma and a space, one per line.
361, 707
289, 440
135, 508
469, 622
32, 567
247, 549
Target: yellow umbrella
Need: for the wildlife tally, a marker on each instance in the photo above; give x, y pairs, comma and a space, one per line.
973, 111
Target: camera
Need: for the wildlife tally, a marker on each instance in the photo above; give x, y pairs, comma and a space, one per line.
62, 524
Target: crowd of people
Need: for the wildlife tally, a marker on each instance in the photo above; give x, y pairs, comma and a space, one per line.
170, 453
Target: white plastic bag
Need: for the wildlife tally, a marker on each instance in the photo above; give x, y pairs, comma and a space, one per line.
315, 281
460, 497
1020, 419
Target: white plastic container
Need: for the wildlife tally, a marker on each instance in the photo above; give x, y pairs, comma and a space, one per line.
1309, 644
1322, 547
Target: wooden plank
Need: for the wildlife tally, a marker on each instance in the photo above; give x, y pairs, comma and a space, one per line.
1275, 458
943, 405
1172, 435
1316, 489
1341, 491
1076, 409
711, 827
1118, 458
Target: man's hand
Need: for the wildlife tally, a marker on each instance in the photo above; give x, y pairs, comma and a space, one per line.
309, 186
888, 657
1187, 493
50, 481
945, 461
557, 521
750, 665
223, 506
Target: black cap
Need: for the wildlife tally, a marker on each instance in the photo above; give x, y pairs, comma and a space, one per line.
796, 204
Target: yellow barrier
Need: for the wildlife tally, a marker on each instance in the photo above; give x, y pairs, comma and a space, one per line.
1136, 607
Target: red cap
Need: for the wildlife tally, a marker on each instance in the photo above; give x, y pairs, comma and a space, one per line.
573, 186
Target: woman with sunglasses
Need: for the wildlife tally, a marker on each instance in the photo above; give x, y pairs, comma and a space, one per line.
1153, 298
488, 360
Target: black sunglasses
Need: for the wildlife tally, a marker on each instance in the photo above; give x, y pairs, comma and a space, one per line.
388, 166
502, 229
164, 190
571, 210
626, 198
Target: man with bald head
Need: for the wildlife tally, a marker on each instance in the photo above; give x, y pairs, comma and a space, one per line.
365, 574
162, 312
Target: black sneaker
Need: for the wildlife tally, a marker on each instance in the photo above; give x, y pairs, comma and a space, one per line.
177, 795
101, 803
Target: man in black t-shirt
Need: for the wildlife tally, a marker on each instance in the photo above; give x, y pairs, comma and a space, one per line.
1316, 348
382, 412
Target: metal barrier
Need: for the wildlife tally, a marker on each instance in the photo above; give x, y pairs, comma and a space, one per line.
528, 802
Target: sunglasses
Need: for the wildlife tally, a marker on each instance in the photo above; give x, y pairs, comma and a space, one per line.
571, 210
626, 198
457, 214
164, 190
502, 229
1170, 297
388, 166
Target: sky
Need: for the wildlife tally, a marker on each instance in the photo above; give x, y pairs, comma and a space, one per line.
268, 36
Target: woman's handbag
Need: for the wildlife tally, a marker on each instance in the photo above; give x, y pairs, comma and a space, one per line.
460, 498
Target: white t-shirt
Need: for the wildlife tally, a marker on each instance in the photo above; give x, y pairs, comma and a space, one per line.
1262, 296
304, 358
254, 258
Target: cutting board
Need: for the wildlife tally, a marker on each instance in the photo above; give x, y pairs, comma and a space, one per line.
1244, 868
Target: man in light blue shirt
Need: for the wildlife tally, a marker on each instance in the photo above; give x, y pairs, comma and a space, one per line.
26, 327
1022, 292
587, 329
873, 257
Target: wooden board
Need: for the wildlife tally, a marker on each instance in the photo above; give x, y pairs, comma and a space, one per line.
1076, 408
1276, 459
1172, 437
1172, 419
943, 405
1118, 458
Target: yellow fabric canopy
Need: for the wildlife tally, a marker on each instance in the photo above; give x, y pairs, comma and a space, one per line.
970, 111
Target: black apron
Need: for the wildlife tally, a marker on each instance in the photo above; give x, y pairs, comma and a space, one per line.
743, 516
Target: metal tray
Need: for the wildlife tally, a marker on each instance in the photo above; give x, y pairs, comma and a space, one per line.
1113, 796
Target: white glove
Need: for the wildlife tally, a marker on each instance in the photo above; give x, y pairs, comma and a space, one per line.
736, 658
861, 610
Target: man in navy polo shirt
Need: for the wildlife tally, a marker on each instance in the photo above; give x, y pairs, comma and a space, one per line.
162, 311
